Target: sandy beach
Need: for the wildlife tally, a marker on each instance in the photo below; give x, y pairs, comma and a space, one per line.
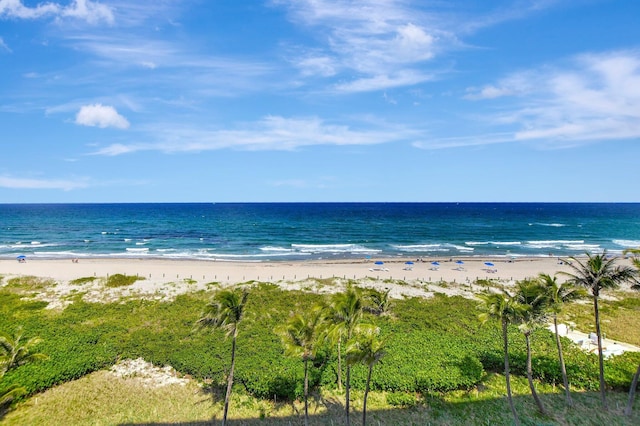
161, 271
164, 279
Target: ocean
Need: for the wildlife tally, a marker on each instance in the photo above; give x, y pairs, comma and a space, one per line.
295, 231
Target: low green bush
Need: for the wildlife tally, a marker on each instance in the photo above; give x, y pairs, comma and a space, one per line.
121, 280
82, 280
433, 345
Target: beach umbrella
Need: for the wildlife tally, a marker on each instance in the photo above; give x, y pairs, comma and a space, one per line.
22, 257
379, 262
488, 263
408, 263
435, 263
459, 262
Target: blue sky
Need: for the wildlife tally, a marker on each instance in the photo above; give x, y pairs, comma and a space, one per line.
319, 100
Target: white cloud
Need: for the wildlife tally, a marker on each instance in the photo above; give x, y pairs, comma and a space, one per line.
101, 116
86, 10
15, 9
323, 66
23, 183
4, 46
593, 98
376, 39
384, 81
90, 11
273, 133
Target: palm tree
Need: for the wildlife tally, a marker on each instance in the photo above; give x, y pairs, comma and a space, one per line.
368, 349
300, 337
595, 274
557, 295
14, 353
225, 312
531, 296
634, 383
346, 312
505, 309
379, 302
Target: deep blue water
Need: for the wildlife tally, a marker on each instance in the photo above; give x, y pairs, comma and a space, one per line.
283, 231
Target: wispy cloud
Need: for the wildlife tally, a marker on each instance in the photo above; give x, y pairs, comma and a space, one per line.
379, 43
86, 10
4, 46
26, 183
98, 115
380, 40
594, 97
271, 133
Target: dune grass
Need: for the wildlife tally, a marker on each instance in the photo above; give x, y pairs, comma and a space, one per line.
620, 316
121, 280
103, 399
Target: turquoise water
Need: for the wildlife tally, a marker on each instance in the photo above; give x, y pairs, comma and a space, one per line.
286, 231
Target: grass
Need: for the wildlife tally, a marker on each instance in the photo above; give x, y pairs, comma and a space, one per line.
103, 399
121, 280
82, 280
619, 318
28, 284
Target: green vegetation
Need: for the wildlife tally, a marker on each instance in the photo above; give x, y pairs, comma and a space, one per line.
28, 284
439, 363
225, 312
596, 274
15, 353
82, 280
121, 280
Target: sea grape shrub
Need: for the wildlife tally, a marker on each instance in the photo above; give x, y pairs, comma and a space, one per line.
72, 356
619, 370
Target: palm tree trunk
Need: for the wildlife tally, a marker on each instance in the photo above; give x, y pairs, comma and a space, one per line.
632, 392
527, 338
227, 396
366, 394
339, 366
347, 387
306, 392
563, 369
506, 371
603, 394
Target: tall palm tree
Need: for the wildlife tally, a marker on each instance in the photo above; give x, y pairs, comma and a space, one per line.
531, 296
14, 353
346, 312
300, 337
503, 308
597, 273
557, 295
368, 349
225, 312
634, 383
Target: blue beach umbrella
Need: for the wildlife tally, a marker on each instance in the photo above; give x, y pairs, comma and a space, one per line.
435, 263
408, 263
488, 263
22, 257
459, 262
379, 262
